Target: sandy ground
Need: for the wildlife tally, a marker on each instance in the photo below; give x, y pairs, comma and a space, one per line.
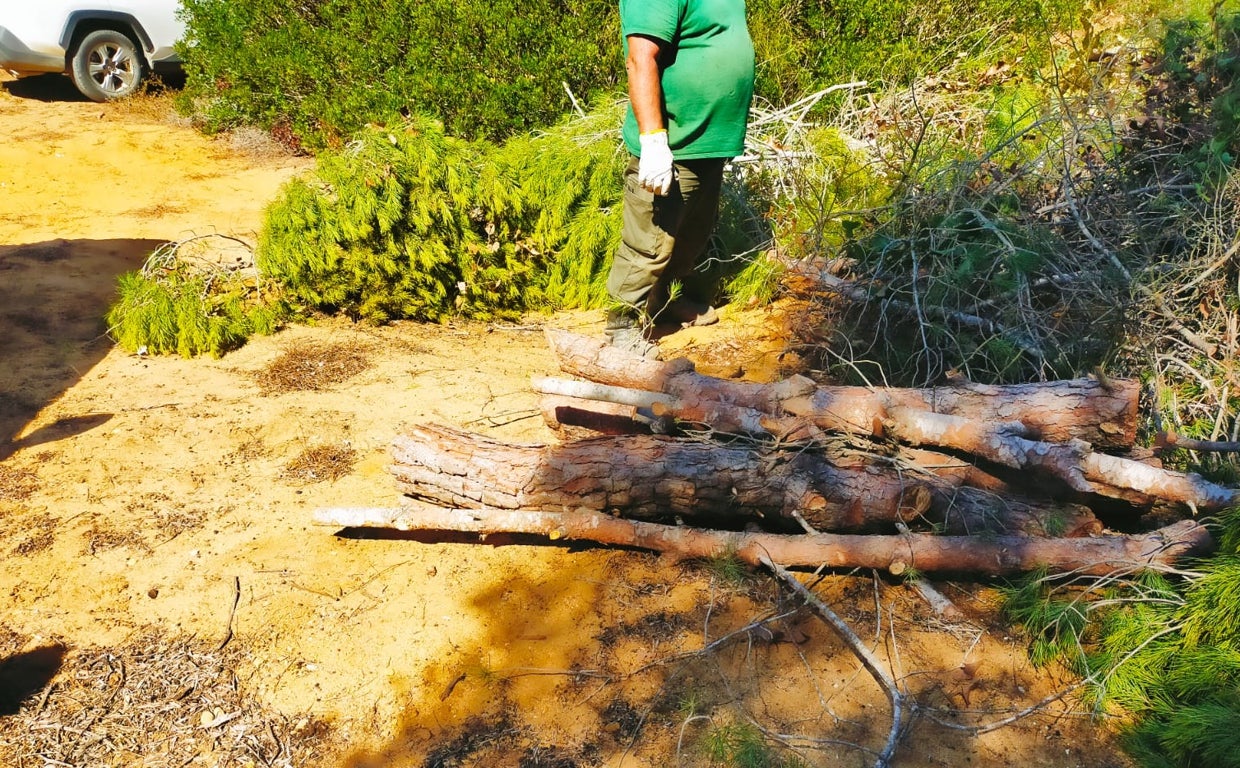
143, 495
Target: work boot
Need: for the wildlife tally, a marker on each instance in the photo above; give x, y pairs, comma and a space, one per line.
687, 312
625, 331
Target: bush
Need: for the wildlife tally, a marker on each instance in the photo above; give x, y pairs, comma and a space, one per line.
803, 45
1164, 648
404, 223
319, 71
411, 223
179, 304
571, 181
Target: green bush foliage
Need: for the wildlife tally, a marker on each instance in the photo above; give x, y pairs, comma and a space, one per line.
1163, 648
410, 223
171, 306
1202, 78
317, 72
803, 45
571, 181
742, 745
403, 223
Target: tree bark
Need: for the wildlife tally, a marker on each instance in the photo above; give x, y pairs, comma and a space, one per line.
655, 477
576, 417
898, 554
1074, 463
1103, 414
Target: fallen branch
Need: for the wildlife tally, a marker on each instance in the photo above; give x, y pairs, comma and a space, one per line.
1169, 439
648, 406
1103, 414
1075, 463
859, 649
993, 556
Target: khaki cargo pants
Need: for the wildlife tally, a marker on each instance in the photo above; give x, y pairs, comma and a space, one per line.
664, 238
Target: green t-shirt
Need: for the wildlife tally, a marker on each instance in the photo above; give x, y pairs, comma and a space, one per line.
708, 71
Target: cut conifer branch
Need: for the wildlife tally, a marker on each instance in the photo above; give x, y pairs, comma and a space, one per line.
654, 477
926, 553
859, 649
1103, 414
1074, 463
1169, 439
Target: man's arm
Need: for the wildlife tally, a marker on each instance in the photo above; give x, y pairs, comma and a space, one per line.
645, 89
655, 170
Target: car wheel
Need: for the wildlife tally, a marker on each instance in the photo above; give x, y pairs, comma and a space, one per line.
107, 65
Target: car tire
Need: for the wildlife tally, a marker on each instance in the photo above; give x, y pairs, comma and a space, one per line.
107, 65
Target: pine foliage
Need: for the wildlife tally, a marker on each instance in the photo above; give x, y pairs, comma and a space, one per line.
409, 223
172, 306
404, 223
571, 180
1165, 650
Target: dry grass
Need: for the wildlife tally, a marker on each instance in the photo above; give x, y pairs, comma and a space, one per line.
40, 533
321, 463
314, 367
17, 484
250, 450
157, 700
256, 144
157, 211
152, 104
103, 537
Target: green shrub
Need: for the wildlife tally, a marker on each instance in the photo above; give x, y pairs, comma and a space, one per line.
411, 223
742, 745
803, 45
319, 71
172, 306
571, 181
404, 223
1166, 649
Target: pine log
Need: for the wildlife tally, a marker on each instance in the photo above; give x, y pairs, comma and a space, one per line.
999, 555
1103, 414
1074, 463
649, 406
577, 417
1004, 443
655, 477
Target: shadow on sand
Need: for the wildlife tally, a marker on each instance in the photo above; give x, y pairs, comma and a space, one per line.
53, 297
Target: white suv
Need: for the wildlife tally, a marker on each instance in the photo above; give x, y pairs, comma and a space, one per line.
107, 46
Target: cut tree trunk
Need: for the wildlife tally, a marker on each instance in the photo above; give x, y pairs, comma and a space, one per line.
654, 407
1075, 464
897, 554
1102, 414
654, 477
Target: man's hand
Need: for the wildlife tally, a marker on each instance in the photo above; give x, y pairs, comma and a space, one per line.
654, 168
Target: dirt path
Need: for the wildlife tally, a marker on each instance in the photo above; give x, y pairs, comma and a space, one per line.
163, 495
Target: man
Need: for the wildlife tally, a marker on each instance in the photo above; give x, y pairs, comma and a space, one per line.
691, 70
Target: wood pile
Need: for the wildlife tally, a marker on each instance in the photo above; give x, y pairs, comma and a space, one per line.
958, 478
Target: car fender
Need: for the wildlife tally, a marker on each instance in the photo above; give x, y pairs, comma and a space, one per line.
112, 19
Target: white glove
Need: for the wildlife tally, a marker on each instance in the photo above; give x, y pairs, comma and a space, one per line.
654, 168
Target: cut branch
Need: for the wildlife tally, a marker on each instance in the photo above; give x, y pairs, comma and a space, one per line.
1075, 463
653, 477
1169, 439
859, 649
1103, 414
995, 556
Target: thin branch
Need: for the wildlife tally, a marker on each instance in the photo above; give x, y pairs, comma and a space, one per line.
867, 658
